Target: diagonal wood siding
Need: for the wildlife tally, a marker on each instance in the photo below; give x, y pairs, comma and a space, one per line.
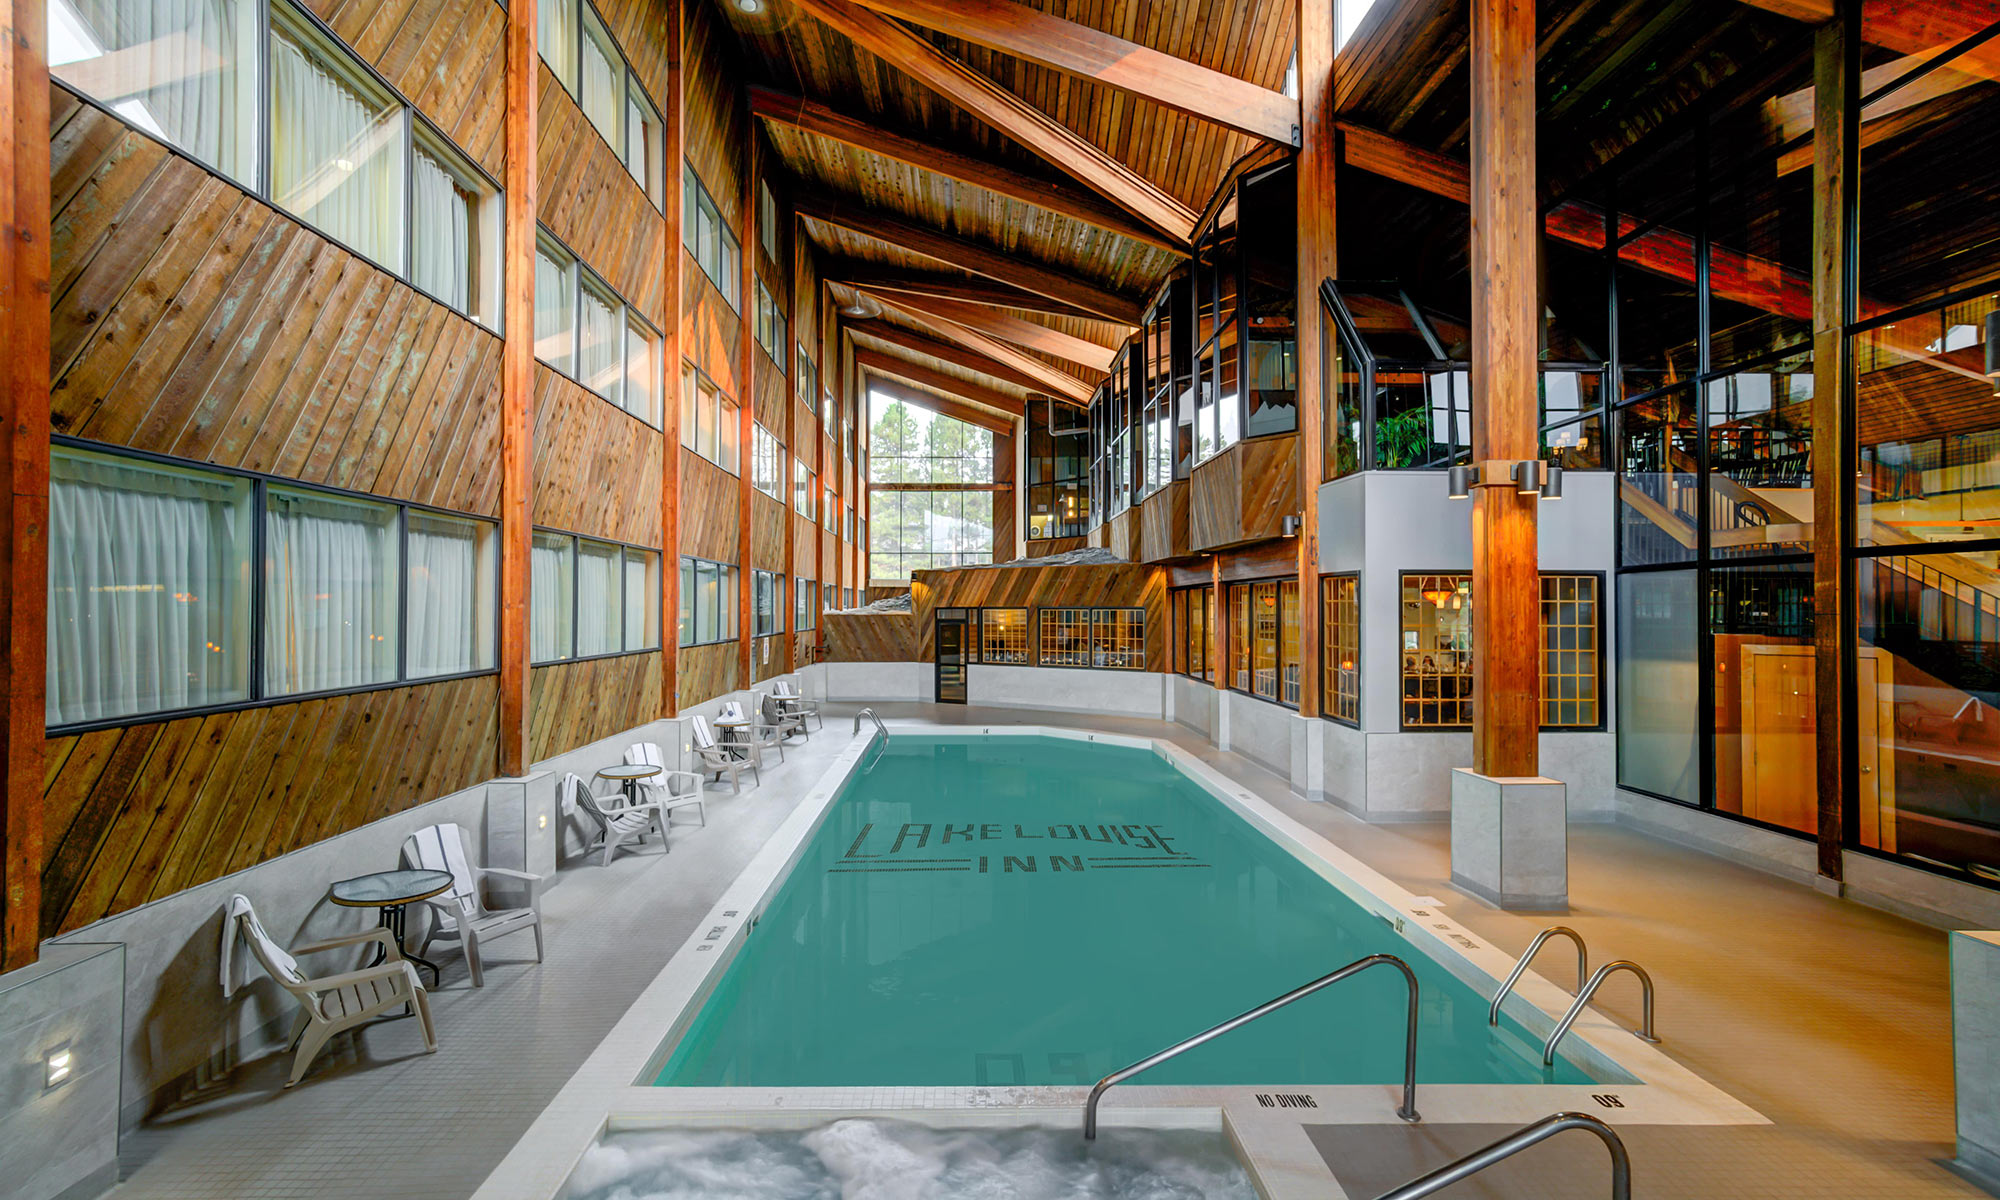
597, 467
1033, 587
574, 704
589, 200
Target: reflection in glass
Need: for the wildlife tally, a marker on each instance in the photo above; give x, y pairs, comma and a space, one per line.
1760, 461
1658, 687
1766, 763
1928, 675
1658, 502
1928, 425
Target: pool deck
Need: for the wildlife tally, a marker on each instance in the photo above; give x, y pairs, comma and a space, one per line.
1830, 1019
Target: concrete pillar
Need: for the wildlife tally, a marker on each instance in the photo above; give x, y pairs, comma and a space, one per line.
1510, 839
1975, 1053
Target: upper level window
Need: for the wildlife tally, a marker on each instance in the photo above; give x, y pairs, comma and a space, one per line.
455, 225
708, 420
331, 592
185, 73
601, 80
802, 490
767, 220
337, 143
771, 326
708, 602
707, 236
808, 380
767, 608
588, 332
556, 38
643, 144
767, 456
588, 598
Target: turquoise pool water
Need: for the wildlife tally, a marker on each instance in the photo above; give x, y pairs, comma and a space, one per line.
1023, 910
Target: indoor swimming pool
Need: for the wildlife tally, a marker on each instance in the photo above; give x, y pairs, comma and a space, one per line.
1039, 911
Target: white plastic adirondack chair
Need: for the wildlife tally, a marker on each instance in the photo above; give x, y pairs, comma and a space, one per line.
442, 848
790, 698
714, 758
760, 732
619, 819
775, 714
332, 1003
660, 788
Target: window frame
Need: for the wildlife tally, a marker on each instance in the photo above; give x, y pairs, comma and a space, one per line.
1091, 612
580, 279
259, 694
576, 541
1600, 652
726, 272
727, 619
1326, 685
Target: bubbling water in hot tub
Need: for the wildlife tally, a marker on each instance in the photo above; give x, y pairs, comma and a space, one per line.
870, 1159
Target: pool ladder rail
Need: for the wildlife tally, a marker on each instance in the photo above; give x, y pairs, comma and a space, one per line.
870, 714
1586, 987
1409, 1109
1514, 1143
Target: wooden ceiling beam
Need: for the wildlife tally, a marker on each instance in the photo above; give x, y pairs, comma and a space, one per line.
1048, 378
983, 260
1035, 130
875, 277
942, 405
1079, 50
1007, 328
958, 355
821, 120
1909, 26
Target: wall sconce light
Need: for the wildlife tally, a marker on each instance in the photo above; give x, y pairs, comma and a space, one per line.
57, 1067
1460, 481
1530, 477
1993, 343
541, 820
1552, 482
1289, 525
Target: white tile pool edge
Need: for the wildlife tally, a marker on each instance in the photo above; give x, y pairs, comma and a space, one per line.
606, 1094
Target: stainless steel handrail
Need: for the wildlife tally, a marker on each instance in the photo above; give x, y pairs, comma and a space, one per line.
1520, 968
1645, 1030
870, 714
1409, 1109
1514, 1143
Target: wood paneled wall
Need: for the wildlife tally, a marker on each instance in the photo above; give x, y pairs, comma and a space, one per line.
1032, 587
1244, 493
597, 468
870, 637
138, 812
577, 703
707, 672
708, 510
589, 200
1163, 523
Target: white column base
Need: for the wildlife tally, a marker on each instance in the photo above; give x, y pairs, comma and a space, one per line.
1975, 1054
522, 831
1510, 840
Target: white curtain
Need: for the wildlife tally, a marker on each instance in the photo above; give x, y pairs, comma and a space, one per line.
555, 33
148, 589
641, 377
640, 595
600, 364
597, 598
330, 605
555, 297
181, 69
446, 586
336, 154
603, 89
441, 243
549, 597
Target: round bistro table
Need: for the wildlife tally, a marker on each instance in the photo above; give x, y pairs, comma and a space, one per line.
628, 775
392, 892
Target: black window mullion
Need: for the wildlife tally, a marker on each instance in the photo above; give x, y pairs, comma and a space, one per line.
403, 594
259, 587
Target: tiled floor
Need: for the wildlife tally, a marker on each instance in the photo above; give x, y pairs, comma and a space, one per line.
1829, 1018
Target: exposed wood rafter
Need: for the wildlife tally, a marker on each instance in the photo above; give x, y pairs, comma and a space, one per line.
876, 277
1079, 50
879, 378
1034, 129
811, 116
981, 319
1050, 378
960, 354
971, 256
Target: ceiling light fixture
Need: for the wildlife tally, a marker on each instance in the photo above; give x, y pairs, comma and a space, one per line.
752, 7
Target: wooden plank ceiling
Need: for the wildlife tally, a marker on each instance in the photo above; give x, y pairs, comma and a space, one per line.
998, 221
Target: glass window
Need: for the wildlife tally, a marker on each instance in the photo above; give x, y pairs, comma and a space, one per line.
1659, 709
1437, 651
1065, 637
555, 307
1928, 428
1760, 622
1760, 460
728, 433
1241, 621
551, 597
765, 457
600, 348
1928, 736
767, 220
600, 593
642, 371
601, 93
338, 140
1118, 638
331, 592
642, 142
185, 73
642, 599
708, 602
452, 581
149, 587
1003, 636
1193, 610
685, 633
767, 612
455, 226
802, 490
1569, 651
555, 36
1340, 648
1658, 502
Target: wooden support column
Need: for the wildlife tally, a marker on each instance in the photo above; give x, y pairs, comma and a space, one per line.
1506, 584
788, 607
746, 408
1218, 625
24, 405
1318, 161
517, 387
672, 135
1836, 77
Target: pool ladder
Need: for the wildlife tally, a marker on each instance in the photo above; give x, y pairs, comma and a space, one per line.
1514, 1143
1409, 1109
1586, 987
870, 714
